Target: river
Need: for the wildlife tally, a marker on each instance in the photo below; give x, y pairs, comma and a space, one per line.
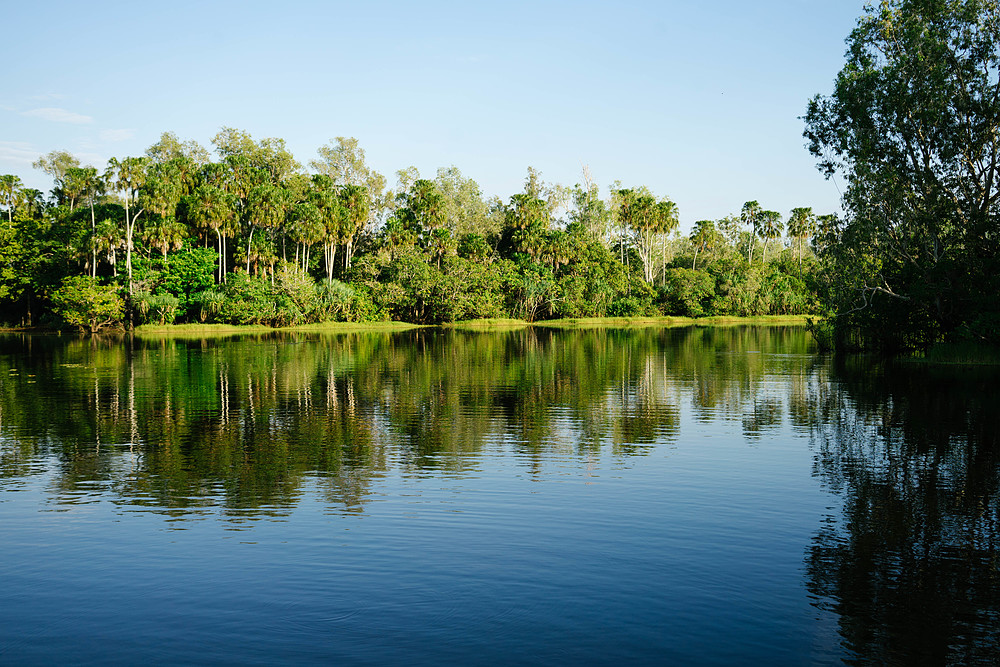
700, 495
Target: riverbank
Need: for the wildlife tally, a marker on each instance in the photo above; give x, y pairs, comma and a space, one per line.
197, 330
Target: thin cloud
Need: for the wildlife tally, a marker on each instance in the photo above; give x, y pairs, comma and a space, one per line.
116, 135
17, 152
45, 97
58, 115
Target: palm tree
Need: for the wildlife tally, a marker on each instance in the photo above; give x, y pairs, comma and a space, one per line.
128, 176
91, 186
357, 205
801, 225
107, 238
266, 208
213, 210
667, 221
165, 234
769, 227
10, 190
750, 215
304, 226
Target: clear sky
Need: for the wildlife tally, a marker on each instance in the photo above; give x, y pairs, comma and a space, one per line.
699, 101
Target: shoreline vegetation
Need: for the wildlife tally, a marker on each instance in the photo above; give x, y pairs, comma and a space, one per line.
249, 237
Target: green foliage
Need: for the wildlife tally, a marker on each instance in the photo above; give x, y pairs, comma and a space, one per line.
160, 308
912, 122
207, 303
84, 303
689, 292
186, 273
249, 300
244, 239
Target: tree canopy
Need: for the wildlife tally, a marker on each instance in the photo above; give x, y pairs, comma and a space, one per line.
913, 123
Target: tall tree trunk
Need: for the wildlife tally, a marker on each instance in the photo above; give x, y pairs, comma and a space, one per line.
93, 246
219, 246
249, 240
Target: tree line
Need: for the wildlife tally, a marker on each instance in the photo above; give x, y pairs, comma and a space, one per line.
250, 236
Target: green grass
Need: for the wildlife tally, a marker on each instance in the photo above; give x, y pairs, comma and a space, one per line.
626, 322
200, 330
487, 325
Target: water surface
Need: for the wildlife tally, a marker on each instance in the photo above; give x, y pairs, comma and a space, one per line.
686, 496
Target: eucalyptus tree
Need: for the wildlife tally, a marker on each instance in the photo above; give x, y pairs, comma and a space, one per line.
343, 160
913, 122
639, 211
169, 148
589, 210
270, 154
56, 164
555, 196
465, 210
127, 176
405, 178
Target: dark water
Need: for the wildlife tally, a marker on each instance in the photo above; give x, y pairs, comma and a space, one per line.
682, 496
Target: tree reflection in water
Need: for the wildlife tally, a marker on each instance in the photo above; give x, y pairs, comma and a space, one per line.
911, 566
242, 423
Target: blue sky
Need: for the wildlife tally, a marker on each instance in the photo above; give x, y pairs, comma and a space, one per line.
698, 101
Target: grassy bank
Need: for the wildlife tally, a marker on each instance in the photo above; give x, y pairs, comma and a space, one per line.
199, 330
487, 325
628, 322
202, 330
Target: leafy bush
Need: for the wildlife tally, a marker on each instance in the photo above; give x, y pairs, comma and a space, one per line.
83, 302
689, 292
